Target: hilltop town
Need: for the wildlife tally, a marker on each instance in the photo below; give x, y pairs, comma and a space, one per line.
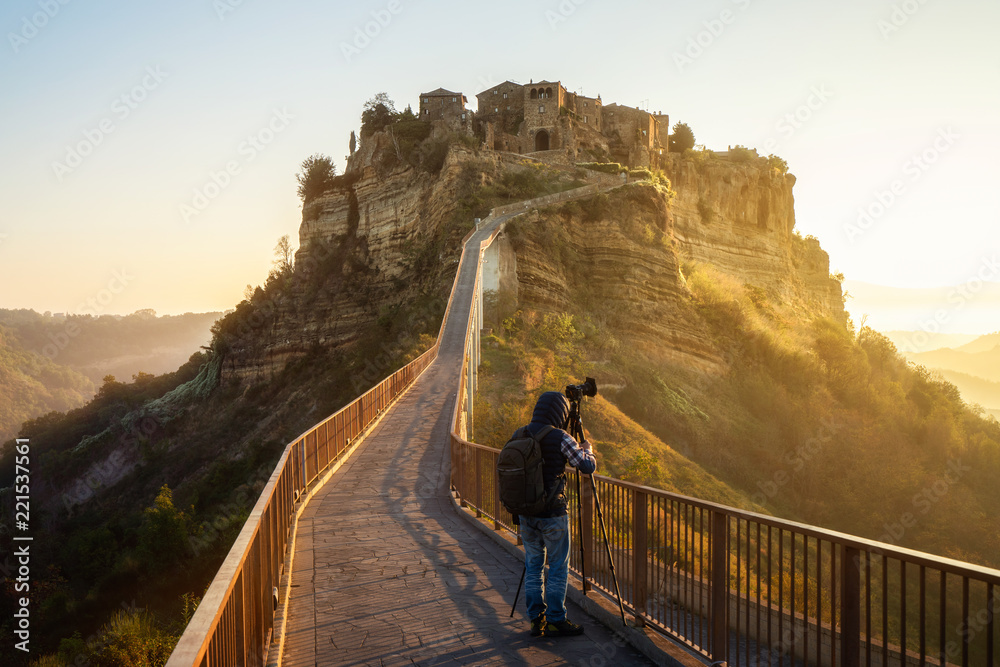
545, 117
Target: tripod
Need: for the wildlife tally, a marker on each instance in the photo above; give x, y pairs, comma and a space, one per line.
576, 430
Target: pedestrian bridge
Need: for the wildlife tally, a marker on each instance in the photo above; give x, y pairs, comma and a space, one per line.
379, 540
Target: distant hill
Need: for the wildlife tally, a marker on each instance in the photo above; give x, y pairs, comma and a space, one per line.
111, 344
974, 389
985, 343
910, 342
57, 362
985, 365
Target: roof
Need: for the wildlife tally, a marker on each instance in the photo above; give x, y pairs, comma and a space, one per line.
505, 83
440, 92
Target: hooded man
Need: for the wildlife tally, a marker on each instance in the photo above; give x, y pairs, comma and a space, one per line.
546, 535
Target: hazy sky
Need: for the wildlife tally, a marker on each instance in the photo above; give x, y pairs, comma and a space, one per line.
149, 149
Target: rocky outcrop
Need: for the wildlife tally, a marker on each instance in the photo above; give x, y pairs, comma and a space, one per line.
624, 254
740, 218
616, 253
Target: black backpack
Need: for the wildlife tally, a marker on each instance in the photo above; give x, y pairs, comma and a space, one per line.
519, 471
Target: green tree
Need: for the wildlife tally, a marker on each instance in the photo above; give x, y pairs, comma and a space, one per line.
379, 113
681, 138
164, 531
316, 177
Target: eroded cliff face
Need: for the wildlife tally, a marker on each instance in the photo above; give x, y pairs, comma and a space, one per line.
617, 254
625, 254
740, 218
362, 249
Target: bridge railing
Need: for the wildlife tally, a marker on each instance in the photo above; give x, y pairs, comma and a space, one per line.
749, 589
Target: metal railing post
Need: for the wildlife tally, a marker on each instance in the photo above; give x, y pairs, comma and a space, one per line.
850, 607
718, 611
639, 551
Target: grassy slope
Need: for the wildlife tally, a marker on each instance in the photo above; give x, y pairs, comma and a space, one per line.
509, 383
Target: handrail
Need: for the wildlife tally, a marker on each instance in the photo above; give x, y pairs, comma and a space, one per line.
232, 625
745, 588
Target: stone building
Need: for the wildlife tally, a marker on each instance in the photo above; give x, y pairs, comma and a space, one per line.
545, 116
506, 98
635, 136
543, 102
445, 105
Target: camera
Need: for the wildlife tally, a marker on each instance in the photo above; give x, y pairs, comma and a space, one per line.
575, 392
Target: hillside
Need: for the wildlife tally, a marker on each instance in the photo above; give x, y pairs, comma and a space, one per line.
987, 343
741, 365
31, 385
110, 344
54, 362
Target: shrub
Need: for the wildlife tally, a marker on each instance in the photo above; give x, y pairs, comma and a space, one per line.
742, 154
603, 167
317, 177
681, 138
132, 639
705, 211
777, 163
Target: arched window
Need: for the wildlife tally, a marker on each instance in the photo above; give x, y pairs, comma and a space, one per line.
548, 92
534, 94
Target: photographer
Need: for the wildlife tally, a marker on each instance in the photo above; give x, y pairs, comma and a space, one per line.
547, 533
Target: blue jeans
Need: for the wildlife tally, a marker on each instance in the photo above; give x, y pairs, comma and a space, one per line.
541, 536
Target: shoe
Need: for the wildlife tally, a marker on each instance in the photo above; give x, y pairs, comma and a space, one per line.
537, 626
563, 628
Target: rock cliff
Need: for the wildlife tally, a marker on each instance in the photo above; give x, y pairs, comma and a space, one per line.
626, 251
363, 246
740, 218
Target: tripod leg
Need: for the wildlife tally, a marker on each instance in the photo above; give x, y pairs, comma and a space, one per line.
518, 594
607, 547
579, 517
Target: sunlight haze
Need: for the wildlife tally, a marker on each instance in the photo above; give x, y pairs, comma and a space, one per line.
859, 97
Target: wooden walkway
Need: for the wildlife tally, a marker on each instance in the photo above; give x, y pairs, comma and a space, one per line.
387, 573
